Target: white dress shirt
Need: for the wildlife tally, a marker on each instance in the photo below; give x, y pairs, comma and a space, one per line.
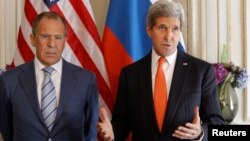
56, 77
168, 68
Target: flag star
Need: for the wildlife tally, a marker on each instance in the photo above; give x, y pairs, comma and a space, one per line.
52, 0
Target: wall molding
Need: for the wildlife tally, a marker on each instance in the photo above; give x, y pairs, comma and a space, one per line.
223, 26
2, 32
192, 27
246, 37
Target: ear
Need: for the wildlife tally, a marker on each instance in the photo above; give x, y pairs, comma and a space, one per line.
65, 41
149, 31
66, 38
32, 39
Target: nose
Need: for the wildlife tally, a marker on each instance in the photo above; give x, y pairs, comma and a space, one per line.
168, 35
51, 42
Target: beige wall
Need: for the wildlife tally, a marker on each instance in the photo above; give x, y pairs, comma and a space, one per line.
100, 8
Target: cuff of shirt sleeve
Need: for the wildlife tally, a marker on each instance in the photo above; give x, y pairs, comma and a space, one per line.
201, 136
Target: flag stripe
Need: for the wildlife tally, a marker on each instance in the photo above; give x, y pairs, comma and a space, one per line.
130, 28
125, 39
26, 52
39, 5
115, 57
85, 38
86, 61
30, 12
71, 58
26, 31
86, 19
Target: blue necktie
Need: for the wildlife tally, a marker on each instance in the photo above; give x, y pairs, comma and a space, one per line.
48, 99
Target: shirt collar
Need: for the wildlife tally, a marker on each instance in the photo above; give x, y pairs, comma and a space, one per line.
57, 66
170, 59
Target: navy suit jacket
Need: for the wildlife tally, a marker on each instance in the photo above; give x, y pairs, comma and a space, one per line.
20, 115
193, 84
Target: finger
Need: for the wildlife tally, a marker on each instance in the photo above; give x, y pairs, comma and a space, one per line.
186, 130
193, 129
107, 136
99, 126
177, 136
196, 119
103, 114
181, 134
192, 126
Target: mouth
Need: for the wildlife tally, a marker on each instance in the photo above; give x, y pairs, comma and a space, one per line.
50, 53
167, 45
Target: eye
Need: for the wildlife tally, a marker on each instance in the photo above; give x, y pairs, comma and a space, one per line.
175, 29
59, 37
162, 28
45, 36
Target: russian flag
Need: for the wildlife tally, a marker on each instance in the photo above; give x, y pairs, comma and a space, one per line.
125, 39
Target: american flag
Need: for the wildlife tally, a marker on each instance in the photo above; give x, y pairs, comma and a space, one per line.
83, 47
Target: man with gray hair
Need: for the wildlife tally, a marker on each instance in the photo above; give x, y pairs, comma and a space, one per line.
168, 94
48, 98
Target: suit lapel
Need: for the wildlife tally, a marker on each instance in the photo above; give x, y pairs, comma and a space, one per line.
146, 88
181, 71
28, 82
67, 85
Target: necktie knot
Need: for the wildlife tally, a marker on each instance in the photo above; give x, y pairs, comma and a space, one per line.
48, 71
161, 61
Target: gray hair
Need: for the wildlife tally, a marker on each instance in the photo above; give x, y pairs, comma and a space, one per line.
165, 8
48, 15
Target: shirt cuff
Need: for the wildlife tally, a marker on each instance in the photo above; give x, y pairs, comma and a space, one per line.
201, 136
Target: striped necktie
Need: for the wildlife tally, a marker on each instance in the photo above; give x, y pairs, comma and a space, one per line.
160, 93
48, 99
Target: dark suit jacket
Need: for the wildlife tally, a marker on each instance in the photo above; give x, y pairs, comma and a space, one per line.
193, 84
20, 115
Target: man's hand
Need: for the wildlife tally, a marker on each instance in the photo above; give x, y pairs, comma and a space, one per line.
105, 127
190, 130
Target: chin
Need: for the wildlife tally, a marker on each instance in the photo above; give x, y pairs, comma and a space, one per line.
51, 62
